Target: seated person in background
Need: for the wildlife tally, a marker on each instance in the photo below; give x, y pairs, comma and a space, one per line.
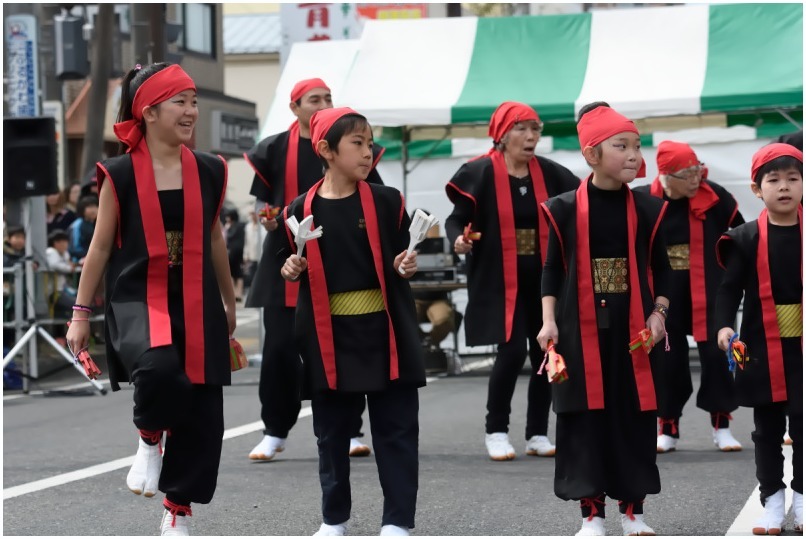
82, 229
58, 258
434, 307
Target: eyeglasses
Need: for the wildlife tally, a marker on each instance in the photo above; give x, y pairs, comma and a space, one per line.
689, 173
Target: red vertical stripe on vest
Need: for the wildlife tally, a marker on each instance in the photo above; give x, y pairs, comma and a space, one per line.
319, 298
640, 358
374, 236
192, 268
509, 246
589, 333
696, 260
541, 195
159, 320
775, 353
290, 192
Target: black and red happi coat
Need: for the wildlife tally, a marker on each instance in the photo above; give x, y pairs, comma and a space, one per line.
492, 276
578, 340
136, 309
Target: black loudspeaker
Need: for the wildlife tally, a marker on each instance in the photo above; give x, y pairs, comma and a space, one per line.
29, 157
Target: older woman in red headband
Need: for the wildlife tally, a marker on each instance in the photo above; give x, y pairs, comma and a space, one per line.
496, 198
158, 238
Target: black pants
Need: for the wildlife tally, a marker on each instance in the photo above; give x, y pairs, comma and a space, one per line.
393, 415
508, 364
281, 376
716, 393
770, 423
164, 399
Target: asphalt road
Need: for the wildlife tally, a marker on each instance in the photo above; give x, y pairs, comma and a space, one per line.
461, 491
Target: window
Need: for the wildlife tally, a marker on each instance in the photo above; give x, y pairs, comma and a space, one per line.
198, 28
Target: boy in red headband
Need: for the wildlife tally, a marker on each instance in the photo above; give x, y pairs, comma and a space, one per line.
170, 305
356, 325
698, 212
597, 299
498, 195
771, 381
285, 165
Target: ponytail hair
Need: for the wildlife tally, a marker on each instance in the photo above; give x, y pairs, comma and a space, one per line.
128, 88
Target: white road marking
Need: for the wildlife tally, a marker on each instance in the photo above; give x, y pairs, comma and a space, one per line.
752, 510
98, 469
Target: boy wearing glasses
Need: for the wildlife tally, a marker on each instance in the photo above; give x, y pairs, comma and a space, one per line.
699, 212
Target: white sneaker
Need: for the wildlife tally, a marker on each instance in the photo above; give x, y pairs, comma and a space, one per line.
358, 448
666, 443
797, 509
498, 446
391, 529
332, 529
268, 448
540, 446
725, 441
592, 526
144, 475
170, 526
771, 521
635, 525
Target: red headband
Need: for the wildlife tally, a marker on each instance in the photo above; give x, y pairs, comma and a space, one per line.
674, 156
602, 123
305, 86
157, 88
773, 151
323, 120
508, 114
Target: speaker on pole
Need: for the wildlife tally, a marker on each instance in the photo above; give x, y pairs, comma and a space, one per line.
29, 157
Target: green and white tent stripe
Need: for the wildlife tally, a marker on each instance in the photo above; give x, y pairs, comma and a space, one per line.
743, 61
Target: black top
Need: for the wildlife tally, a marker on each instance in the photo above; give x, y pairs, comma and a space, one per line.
675, 221
784, 241
607, 222
347, 247
172, 205
62, 220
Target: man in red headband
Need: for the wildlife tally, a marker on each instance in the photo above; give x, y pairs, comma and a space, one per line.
764, 262
698, 213
603, 246
497, 195
285, 165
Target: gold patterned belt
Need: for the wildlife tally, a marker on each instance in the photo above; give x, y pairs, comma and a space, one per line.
525, 239
790, 320
174, 238
610, 276
356, 302
679, 256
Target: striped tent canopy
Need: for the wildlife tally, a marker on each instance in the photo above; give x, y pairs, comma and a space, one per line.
716, 65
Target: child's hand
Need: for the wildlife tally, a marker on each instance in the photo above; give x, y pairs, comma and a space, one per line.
723, 338
269, 224
406, 264
656, 326
293, 267
548, 332
462, 246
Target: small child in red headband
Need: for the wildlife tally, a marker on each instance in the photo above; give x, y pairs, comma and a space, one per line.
772, 324
597, 298
356, 327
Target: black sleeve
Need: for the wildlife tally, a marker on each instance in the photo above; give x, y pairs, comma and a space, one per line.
661, 270
403, 230
554, 268
731, 290
738, 219
462, 214
259, 189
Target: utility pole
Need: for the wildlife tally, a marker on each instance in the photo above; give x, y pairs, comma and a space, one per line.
141, 34
99, 80
156, 21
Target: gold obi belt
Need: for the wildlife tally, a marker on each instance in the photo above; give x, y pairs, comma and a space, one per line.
790, 320
356, 302
610, 276
174, 238
525, 240
679, 256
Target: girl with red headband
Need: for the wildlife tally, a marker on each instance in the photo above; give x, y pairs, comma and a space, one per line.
598, 303
771, 382
497, 195
158, 238
286, 165
356, 326
699, 211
